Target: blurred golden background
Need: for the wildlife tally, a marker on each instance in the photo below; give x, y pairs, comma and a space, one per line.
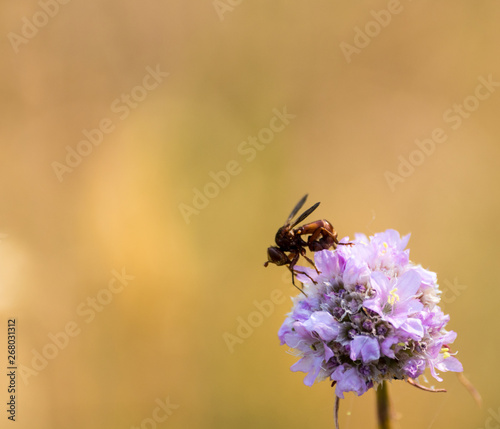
206, 124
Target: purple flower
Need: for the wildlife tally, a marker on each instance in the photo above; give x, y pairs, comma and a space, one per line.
365, 347
370, 315
348, 380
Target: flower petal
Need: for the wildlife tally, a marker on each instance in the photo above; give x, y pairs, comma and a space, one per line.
324, 325
414, 328
365, 347
348, 380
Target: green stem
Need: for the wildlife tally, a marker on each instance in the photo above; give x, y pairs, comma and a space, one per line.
383, 411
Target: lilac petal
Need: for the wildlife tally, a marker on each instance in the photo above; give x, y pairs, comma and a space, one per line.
310, 364
404, 242
391, 236
284, 330
386, 347
295, 342
450, 363
303, 308
433, 371
311, 272
414, 367
366, 347
408, 285
414, 328
413, 306
449, 337
301, 331
348, 380
399, 314
328, 263
427, 278
356, 273
361, 238
328, 353
393, 239
324, 325
380, 284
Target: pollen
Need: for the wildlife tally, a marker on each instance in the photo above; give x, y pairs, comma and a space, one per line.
393, 296
446, 353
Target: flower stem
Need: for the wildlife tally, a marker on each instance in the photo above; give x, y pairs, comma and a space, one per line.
336, 412
383, 411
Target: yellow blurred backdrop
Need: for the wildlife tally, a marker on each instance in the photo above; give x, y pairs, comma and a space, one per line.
151, 150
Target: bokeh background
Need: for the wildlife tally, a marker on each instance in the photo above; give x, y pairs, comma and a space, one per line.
196, 276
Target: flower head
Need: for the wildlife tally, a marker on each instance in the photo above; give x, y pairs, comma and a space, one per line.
369, 315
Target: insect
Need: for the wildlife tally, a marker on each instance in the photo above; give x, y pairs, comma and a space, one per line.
289, 239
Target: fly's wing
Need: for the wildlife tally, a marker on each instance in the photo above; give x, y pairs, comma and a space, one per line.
296, 209
305, 214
